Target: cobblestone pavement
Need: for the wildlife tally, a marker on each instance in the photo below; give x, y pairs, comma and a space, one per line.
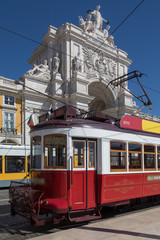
17, 227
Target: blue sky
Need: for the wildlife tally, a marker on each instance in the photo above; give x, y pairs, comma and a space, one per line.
139, 36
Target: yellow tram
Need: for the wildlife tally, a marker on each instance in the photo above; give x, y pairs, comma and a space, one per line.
14, 163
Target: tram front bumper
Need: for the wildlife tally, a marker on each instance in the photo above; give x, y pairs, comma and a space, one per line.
58, 206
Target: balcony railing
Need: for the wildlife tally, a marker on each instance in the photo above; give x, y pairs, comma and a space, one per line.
9, 130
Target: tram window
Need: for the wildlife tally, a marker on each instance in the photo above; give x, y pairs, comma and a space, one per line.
0, 164
55, 151
158, 156
118, 156
78, 154
149, 157
14, 164
36, 152
135, 156
91, 154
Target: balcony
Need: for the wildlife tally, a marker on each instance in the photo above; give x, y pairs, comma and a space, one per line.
8, 130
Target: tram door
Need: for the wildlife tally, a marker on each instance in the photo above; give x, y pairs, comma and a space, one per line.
84, 174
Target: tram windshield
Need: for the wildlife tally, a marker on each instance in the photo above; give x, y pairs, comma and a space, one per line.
36, 152
55, 151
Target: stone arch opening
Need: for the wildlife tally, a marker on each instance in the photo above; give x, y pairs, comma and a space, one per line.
104, 97
9, 141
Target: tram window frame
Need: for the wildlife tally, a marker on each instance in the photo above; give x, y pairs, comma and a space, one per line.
51, 153
94, 154
133, 152
149, 153
120, 156
74, 160
38, 158
158, 157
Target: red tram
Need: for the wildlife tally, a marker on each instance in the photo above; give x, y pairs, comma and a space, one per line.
81, 164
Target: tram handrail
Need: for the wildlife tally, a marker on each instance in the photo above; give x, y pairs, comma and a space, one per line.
71, 171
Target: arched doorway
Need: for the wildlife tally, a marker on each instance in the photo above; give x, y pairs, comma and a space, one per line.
104, 97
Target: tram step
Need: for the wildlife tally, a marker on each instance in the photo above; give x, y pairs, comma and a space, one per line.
84, 217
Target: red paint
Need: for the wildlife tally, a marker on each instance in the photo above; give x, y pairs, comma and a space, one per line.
52, 183
91, 189
83, 197
131, 122
79, 190
118, 187
54, 204
101, 189
56, 185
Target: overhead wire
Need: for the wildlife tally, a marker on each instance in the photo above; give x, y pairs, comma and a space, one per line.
154, 90
42, 44
46, 45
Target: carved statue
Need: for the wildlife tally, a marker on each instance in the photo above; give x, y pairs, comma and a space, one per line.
56, 63
105, 31
98, 20
90, 25
76, 63
41, 70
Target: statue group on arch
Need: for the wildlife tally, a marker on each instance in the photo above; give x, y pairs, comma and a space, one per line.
91, 24
44, 71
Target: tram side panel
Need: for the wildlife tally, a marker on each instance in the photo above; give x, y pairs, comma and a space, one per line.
119, 187
151, 184
122, 185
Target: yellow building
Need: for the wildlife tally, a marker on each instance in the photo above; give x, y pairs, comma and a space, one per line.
10, 112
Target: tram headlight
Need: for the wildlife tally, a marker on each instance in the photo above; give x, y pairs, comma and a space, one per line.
45, 203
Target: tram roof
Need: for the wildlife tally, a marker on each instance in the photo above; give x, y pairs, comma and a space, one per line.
66, 117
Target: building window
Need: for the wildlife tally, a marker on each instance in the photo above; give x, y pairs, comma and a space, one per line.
9, 100
149, 157
118, 156
9, 122
135, 156
36, 152
55, 151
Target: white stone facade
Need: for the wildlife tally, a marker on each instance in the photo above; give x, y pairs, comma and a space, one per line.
83, 60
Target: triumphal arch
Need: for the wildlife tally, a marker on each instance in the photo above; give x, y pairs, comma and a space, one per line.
74, 64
